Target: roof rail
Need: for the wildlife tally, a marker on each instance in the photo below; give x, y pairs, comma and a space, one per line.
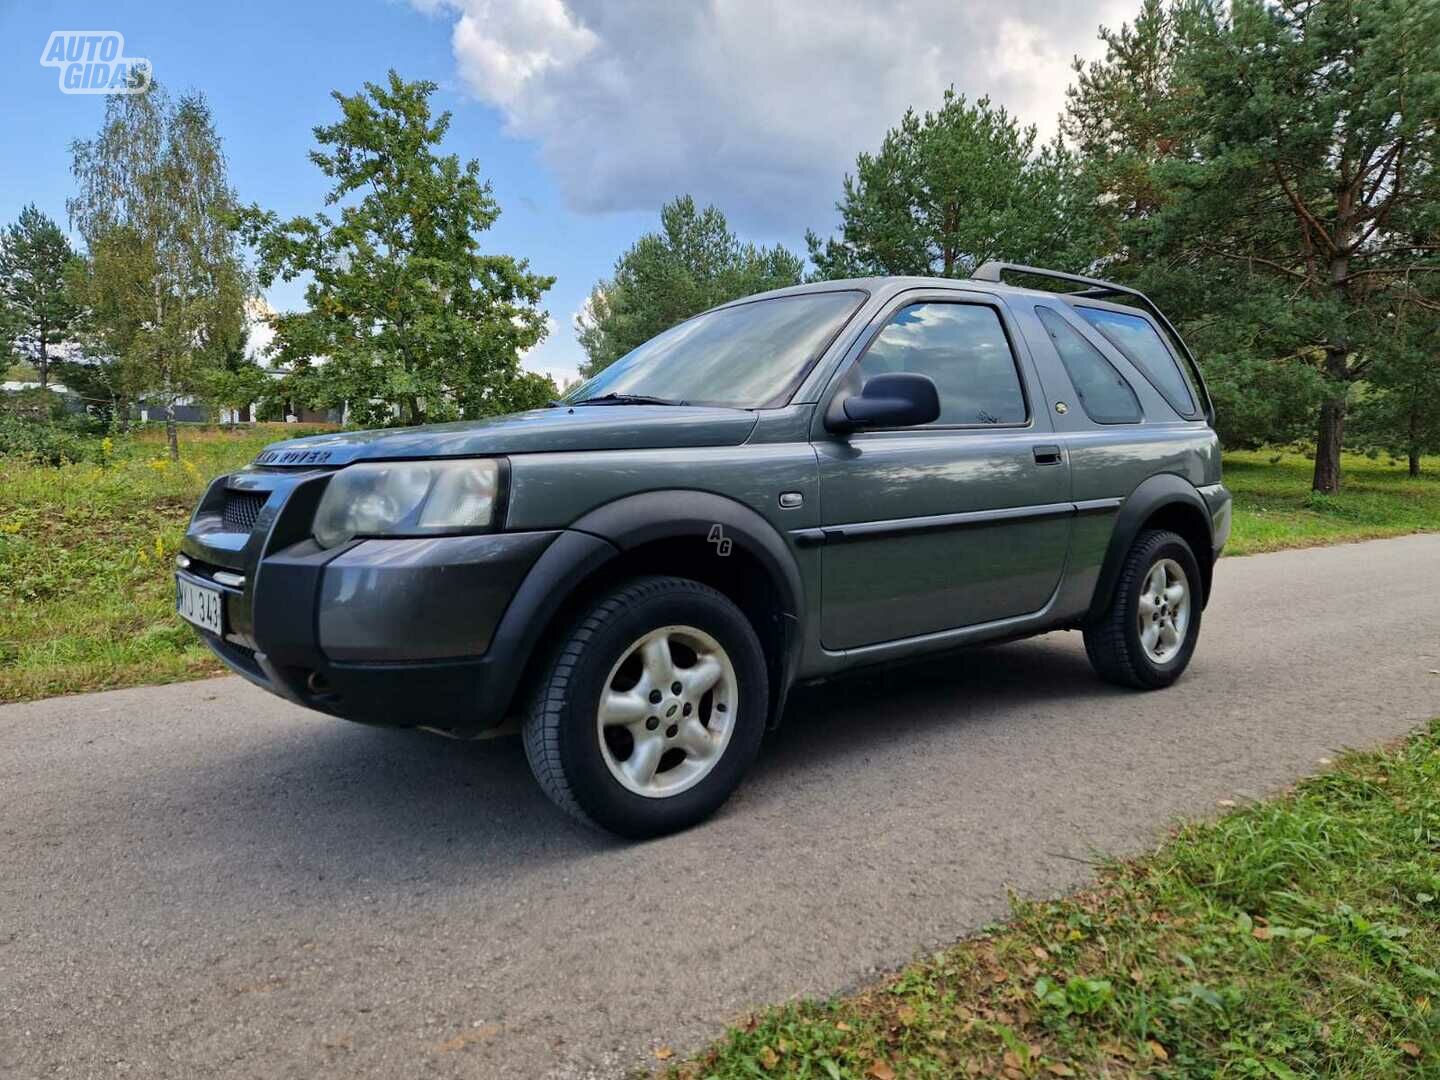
992, 271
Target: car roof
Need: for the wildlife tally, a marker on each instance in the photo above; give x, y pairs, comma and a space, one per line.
884, 287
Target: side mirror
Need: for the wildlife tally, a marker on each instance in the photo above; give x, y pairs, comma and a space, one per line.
899, 399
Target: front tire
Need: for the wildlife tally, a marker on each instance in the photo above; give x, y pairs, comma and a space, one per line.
652, 709
1147, 635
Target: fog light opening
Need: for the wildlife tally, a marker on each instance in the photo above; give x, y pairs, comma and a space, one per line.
317, 683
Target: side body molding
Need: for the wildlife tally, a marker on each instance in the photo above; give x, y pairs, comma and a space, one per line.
1158, 492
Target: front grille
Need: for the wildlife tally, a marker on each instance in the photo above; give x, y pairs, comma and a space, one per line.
241, 509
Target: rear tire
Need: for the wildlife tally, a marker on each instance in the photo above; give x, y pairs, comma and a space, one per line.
1147, 635
651, 710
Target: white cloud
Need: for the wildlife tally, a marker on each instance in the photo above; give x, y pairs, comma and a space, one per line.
506, 49
557, 356
757, 106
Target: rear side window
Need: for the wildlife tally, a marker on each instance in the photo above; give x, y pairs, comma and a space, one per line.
1104, 393
964, 349
1143, 347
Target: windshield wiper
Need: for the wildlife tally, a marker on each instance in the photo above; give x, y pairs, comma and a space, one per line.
627, 399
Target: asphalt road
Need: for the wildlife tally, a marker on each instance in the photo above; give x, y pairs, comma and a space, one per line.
199, 880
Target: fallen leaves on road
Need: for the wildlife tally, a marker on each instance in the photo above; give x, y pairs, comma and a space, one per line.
478, 1034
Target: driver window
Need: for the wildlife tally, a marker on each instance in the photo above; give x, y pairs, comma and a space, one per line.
963, 348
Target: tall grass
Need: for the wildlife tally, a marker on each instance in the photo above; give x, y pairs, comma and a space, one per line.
86, 554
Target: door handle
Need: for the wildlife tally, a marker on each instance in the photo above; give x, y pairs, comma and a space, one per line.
1047, 455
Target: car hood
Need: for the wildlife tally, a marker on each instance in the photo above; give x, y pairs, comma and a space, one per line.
581, 427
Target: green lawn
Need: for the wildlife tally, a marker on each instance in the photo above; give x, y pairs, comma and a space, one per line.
1299, 937
86, 553
1275, 508
86, 550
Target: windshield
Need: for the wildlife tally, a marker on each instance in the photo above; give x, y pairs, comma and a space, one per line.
747, 357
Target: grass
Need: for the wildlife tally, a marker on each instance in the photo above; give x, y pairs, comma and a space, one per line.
1275, 508
86, 553
1297, 937
86, 550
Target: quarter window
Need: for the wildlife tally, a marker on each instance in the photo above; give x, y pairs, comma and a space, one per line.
964, 349
1143, 347
1104, 394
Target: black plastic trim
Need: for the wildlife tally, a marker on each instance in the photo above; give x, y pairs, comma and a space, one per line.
571, 558
870, 530
1160, 490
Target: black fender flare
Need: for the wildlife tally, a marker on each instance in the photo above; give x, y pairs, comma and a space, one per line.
636, 520
603, 535
1155, 493
571, 557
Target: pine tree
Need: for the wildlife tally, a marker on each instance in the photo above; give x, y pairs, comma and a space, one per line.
692, 264
39, 305
952, 189
1275, 173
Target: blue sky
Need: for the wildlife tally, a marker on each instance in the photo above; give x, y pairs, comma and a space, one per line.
585, 115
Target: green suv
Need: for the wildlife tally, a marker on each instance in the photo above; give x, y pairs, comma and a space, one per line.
774, 492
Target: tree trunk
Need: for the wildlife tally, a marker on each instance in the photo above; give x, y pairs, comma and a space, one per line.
172, 433
44, 364
1414, 440
245, 414
1327, 446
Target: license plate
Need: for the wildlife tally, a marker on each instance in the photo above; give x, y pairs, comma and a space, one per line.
201, 606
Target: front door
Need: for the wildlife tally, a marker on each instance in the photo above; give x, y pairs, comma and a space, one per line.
956, 523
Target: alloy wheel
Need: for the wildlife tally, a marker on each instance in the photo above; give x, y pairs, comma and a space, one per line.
667, 711
1164, 611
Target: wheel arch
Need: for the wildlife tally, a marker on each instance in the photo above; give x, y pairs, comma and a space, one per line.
664, 532
1164, 501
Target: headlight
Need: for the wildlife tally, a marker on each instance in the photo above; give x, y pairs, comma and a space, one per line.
408, 498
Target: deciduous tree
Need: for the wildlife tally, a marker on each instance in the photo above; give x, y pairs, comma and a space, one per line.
408, 319
164, 281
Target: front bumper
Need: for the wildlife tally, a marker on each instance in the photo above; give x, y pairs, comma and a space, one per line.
394, 632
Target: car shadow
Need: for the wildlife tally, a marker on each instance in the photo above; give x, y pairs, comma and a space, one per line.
336, 806
859, 711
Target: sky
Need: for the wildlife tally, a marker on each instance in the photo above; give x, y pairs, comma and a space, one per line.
586, 115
